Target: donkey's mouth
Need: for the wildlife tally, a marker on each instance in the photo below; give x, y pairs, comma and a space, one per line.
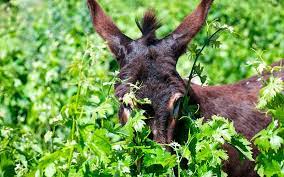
162, 125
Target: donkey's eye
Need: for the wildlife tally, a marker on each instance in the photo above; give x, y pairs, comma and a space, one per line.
176, 108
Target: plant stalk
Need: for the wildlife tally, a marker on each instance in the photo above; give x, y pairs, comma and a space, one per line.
74, 124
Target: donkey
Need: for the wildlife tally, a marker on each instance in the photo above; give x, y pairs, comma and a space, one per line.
152, 62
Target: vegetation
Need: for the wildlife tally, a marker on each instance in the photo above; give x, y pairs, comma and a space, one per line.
270, 142
58, 113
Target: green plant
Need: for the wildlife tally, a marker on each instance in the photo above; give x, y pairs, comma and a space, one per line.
270, 141
203, 148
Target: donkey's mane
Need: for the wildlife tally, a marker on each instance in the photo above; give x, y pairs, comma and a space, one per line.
149, 23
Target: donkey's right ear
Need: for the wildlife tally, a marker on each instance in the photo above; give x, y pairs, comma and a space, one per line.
105, 27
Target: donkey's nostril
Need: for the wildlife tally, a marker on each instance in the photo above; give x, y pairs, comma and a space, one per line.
174, 104
124, 114
176, 108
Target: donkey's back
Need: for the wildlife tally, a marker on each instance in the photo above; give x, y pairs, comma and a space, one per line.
236, 102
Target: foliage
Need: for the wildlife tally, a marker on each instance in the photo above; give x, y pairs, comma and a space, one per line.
203, 149
58, 115
270, 141
96, 147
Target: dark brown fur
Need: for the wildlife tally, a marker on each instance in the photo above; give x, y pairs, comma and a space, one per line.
152, 63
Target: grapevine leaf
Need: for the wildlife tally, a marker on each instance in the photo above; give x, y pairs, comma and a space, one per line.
50, 170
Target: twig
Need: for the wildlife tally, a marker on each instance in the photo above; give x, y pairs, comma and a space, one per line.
198, 55
188, 88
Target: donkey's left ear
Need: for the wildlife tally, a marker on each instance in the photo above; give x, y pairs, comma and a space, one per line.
190, 26
105, 27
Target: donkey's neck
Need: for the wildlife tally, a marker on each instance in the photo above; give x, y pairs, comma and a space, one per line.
236, 102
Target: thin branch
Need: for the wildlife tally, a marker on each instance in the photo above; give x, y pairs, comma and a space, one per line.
188, 88
207, 42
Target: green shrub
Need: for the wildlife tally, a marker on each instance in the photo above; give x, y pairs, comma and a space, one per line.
270, 141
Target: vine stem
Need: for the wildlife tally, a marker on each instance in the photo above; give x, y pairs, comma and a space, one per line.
74, 123
179, 160
198, 55
188, 88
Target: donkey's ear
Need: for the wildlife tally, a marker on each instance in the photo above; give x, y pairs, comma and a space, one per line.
190, 26
105, 27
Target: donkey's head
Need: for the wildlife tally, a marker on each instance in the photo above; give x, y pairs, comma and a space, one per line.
152, 63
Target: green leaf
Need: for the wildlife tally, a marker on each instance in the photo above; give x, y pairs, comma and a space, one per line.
243, 146
267, 93
50, 170
278, 113
276, 142
262, 143
48, 136
158, 157
74, 173
50, 157
100, 144
139, 125
268, 138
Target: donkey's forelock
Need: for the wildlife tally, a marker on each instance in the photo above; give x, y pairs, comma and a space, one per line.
149, 24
